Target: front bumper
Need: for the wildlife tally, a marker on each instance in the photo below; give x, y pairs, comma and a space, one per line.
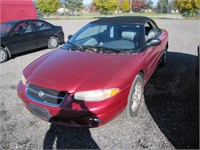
77, 113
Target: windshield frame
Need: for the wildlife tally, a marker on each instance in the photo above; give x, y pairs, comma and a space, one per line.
119, 25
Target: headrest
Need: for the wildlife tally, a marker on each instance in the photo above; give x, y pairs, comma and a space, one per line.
128, 35
151, 34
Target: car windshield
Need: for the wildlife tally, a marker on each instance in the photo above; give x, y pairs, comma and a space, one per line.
5, 28
108, 38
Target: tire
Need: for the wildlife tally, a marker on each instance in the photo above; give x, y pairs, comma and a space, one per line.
164, 58
135, 97
3, 55
52, 42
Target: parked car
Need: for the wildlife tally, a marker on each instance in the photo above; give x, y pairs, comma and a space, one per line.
25, 35
98, 74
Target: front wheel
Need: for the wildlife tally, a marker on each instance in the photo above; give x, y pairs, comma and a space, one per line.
3, 55
135, 97
52, 42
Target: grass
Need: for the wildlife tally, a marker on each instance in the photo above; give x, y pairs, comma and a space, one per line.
97, 15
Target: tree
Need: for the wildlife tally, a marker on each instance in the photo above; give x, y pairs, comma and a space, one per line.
138, 5
48, 6
74, 5
106, 6
172, 5
162, 6
188, 8
125, 5
148, 4
119, 5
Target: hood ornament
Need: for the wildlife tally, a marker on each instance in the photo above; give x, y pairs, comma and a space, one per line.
41, 94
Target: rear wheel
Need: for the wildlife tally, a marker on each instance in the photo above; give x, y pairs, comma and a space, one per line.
3, 55
135, 97
164, 58
52, 42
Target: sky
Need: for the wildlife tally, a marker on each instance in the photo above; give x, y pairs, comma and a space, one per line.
89, 1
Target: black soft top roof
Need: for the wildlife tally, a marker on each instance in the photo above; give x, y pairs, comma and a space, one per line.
124, 20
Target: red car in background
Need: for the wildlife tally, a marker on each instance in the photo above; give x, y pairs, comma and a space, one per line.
17, 10
99, 73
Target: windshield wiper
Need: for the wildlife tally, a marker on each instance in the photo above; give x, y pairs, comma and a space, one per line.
97, 49
90, 48
77, 46
109, 49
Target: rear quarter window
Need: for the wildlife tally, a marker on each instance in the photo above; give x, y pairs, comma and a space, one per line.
40, 26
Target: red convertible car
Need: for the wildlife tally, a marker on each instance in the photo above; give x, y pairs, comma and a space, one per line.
98, 74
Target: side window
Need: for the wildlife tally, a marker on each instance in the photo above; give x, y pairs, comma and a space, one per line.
23, 27
40, 25
155, 28
151, 31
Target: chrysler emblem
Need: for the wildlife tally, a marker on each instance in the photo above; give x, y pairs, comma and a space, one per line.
41, 94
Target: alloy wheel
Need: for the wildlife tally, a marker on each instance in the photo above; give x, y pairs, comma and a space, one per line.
2, 55
53, 42
136, 97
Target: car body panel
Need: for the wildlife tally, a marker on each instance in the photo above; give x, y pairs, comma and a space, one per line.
93, 75
75, 112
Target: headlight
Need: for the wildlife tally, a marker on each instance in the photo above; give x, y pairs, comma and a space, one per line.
97, 95
23, 80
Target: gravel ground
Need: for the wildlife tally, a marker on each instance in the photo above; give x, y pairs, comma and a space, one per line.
168, 117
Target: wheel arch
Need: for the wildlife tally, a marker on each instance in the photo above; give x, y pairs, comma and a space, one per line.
142, 73
127, 108
53, 35
6, 48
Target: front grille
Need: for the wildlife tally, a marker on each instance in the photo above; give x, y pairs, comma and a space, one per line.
45, 95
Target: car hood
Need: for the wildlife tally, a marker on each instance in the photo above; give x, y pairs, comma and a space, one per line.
80, 71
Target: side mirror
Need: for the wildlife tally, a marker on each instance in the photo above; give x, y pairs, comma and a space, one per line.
69, 37
153, 42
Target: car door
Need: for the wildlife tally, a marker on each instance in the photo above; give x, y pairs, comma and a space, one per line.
152, 53
42, 31
21, 38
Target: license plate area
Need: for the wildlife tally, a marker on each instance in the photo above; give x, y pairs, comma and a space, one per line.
40, 112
